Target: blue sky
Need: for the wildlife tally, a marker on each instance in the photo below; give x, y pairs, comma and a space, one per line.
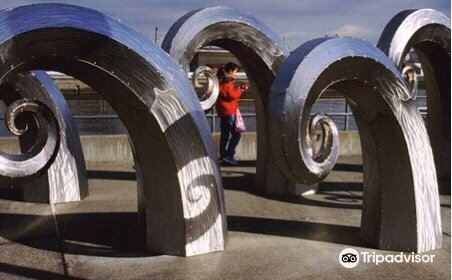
295, 20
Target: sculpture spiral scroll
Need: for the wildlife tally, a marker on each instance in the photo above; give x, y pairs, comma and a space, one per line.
327, 150
26, 167
65, 180
209, 97
401, 204
156, 103
428, 32
260, 51
412, 80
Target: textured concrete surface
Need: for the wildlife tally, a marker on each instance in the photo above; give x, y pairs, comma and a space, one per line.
269, 237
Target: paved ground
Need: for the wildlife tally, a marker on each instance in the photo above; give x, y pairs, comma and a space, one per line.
98, 238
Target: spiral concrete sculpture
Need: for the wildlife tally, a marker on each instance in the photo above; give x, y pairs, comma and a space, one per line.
65, 180
180, 187
24, 168
209, 97
401, 203
427, 32
260, 51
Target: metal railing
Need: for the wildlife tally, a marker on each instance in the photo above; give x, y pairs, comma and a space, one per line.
110, 123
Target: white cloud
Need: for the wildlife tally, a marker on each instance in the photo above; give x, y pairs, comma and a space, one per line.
352, 30
295, 34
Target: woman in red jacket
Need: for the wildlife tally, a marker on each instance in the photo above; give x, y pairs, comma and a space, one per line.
227, 106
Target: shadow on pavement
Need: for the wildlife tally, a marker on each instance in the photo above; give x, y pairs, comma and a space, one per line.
111, 175
239, 181
348, 167
94, 234
14, 194
332, 200
120, 234
346, 235
32, 273
244, 181
340, 186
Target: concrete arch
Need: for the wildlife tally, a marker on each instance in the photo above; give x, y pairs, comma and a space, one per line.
261, 53
400, 196
180, 191
69, 165
427, 31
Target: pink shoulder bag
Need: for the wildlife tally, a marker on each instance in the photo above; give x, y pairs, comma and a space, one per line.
239, 123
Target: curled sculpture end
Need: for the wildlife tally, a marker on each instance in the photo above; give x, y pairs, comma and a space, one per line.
426, 33
19, 116
391, 131
411, 78
208, 97
324, 147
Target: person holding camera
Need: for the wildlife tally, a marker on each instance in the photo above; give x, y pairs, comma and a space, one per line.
231, 123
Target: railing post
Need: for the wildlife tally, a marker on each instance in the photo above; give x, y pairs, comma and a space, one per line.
213, 119
346, 115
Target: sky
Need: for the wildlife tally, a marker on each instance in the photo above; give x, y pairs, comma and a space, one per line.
297, 21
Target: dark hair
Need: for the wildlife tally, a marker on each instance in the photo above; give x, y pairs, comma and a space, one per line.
230, 66
224, 70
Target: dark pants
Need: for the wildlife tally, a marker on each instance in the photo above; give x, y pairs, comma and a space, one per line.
229, 138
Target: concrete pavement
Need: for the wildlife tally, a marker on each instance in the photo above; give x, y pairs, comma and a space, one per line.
269, 238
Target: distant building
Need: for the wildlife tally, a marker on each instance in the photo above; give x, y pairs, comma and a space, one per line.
213, 57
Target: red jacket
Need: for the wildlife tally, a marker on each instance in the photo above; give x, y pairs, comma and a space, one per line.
228, 98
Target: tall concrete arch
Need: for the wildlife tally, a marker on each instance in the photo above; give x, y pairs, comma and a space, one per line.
261, 53
427, 32
180, 190
400, 195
